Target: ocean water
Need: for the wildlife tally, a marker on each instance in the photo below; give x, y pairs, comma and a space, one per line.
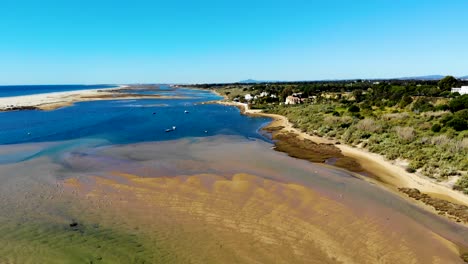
17, 90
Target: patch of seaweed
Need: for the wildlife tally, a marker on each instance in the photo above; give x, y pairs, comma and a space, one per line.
306, 149
464, 257
456, 211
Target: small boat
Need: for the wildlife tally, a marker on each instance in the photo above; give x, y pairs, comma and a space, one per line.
186, 111
171, 129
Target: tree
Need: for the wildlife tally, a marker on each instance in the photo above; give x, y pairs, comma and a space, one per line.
358, 95
286, 92
422, 105
405, 101
447, 83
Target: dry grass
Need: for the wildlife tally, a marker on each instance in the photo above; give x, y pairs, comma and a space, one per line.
441, 140
405, 133
332, 120
395, 116
464, 143
368, 125
434, 113
458, 145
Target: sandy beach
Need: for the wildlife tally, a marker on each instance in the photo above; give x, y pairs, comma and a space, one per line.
392, 174
52, 101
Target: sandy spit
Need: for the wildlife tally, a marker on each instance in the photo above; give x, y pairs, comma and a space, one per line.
52, 101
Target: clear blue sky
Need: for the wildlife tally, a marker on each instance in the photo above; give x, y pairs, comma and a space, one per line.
112, 41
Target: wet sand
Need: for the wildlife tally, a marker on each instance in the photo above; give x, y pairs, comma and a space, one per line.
209, 200
258, 220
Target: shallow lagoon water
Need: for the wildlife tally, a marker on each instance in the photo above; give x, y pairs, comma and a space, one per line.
127, 121
141, 195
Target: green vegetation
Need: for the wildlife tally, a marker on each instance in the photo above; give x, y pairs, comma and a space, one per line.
421, 122
33, 242
447, 83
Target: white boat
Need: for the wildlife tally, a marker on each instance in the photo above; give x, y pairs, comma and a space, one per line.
186, 111
171, 129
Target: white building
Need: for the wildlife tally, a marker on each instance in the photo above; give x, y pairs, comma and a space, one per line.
463, 90
263, 94
290, 100
248, 97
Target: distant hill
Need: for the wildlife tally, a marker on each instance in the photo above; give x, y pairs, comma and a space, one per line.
431, 77
434, 77
424, 78
256, 81
249, 81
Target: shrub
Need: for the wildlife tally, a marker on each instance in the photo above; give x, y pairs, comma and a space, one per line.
462, 114
405, 133
345, 125
458, 124
368, 125
405, 101
464, 143
441, 140
437, 113
436, 128
422, 105
348, 135
416, 164
331, 120
445, 119
442, 107
462, 184
354, 109
459, 103
458, 146
395, 116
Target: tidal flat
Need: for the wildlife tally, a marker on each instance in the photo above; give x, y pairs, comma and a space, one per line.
216, 199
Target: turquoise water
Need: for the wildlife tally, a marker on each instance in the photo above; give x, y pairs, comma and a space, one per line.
126, 121
17, 90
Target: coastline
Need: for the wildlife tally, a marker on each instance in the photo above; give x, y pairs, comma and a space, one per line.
55, 100
391, 175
